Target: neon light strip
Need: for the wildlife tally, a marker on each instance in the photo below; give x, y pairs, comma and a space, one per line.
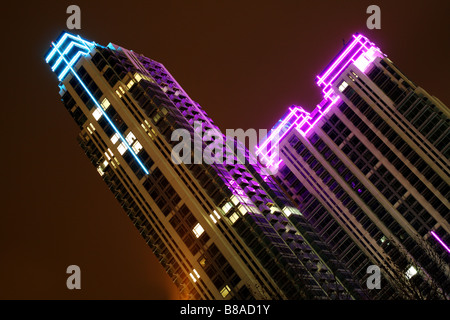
273, 145
277, 130
61, 41
359, 47
351, 60
68, 48
338, 60
295, 124
321, 115
440, 241
103, 112
302, 118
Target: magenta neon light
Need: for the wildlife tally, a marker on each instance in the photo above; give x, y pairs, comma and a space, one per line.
361, 42
440, 241
275, 133
360, 52
338, 60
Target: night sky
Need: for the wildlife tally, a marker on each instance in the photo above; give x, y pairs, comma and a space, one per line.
245, 62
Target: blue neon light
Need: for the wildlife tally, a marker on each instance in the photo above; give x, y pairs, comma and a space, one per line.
68, 42
78, 40
70, 68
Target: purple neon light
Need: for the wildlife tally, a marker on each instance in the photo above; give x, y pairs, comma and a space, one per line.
361, 53
274, 138
440, 241
338, 60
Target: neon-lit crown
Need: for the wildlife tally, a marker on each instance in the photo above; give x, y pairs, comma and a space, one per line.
63, 56
361, 53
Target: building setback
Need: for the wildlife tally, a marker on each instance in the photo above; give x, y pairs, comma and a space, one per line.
369, 169
220, 230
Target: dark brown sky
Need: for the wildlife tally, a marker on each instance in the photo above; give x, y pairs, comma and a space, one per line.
245, 62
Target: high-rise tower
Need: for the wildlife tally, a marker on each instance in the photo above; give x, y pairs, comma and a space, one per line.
221, 230
369, 168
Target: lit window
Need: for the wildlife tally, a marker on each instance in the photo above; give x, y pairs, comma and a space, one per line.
242, 209
137, 147
97, 114
138, 77
105, 104
198, 230
130, 84
118, 94
225, 291
192, 277
234, 217
100, 171
383, 239
92, 126
102, 167
290, 210
121, 90
110, 152
227, 207
235, 200
115, 138
156, 118
212, 218
107, 156
89, 130
343, 86
196, 274
411, 272
122, 148
130, 138
216, 214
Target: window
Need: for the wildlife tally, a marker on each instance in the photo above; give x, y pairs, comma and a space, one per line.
105, 104
138, 77
411, 272
130, 84
102, 167
122, 148
234, 217
137, 147
130, 138
97, 114
225, 291
192, 277
92, 127
196, 274
114, 138
343, 86
235, 200
216, 214
198, 230
227, 207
